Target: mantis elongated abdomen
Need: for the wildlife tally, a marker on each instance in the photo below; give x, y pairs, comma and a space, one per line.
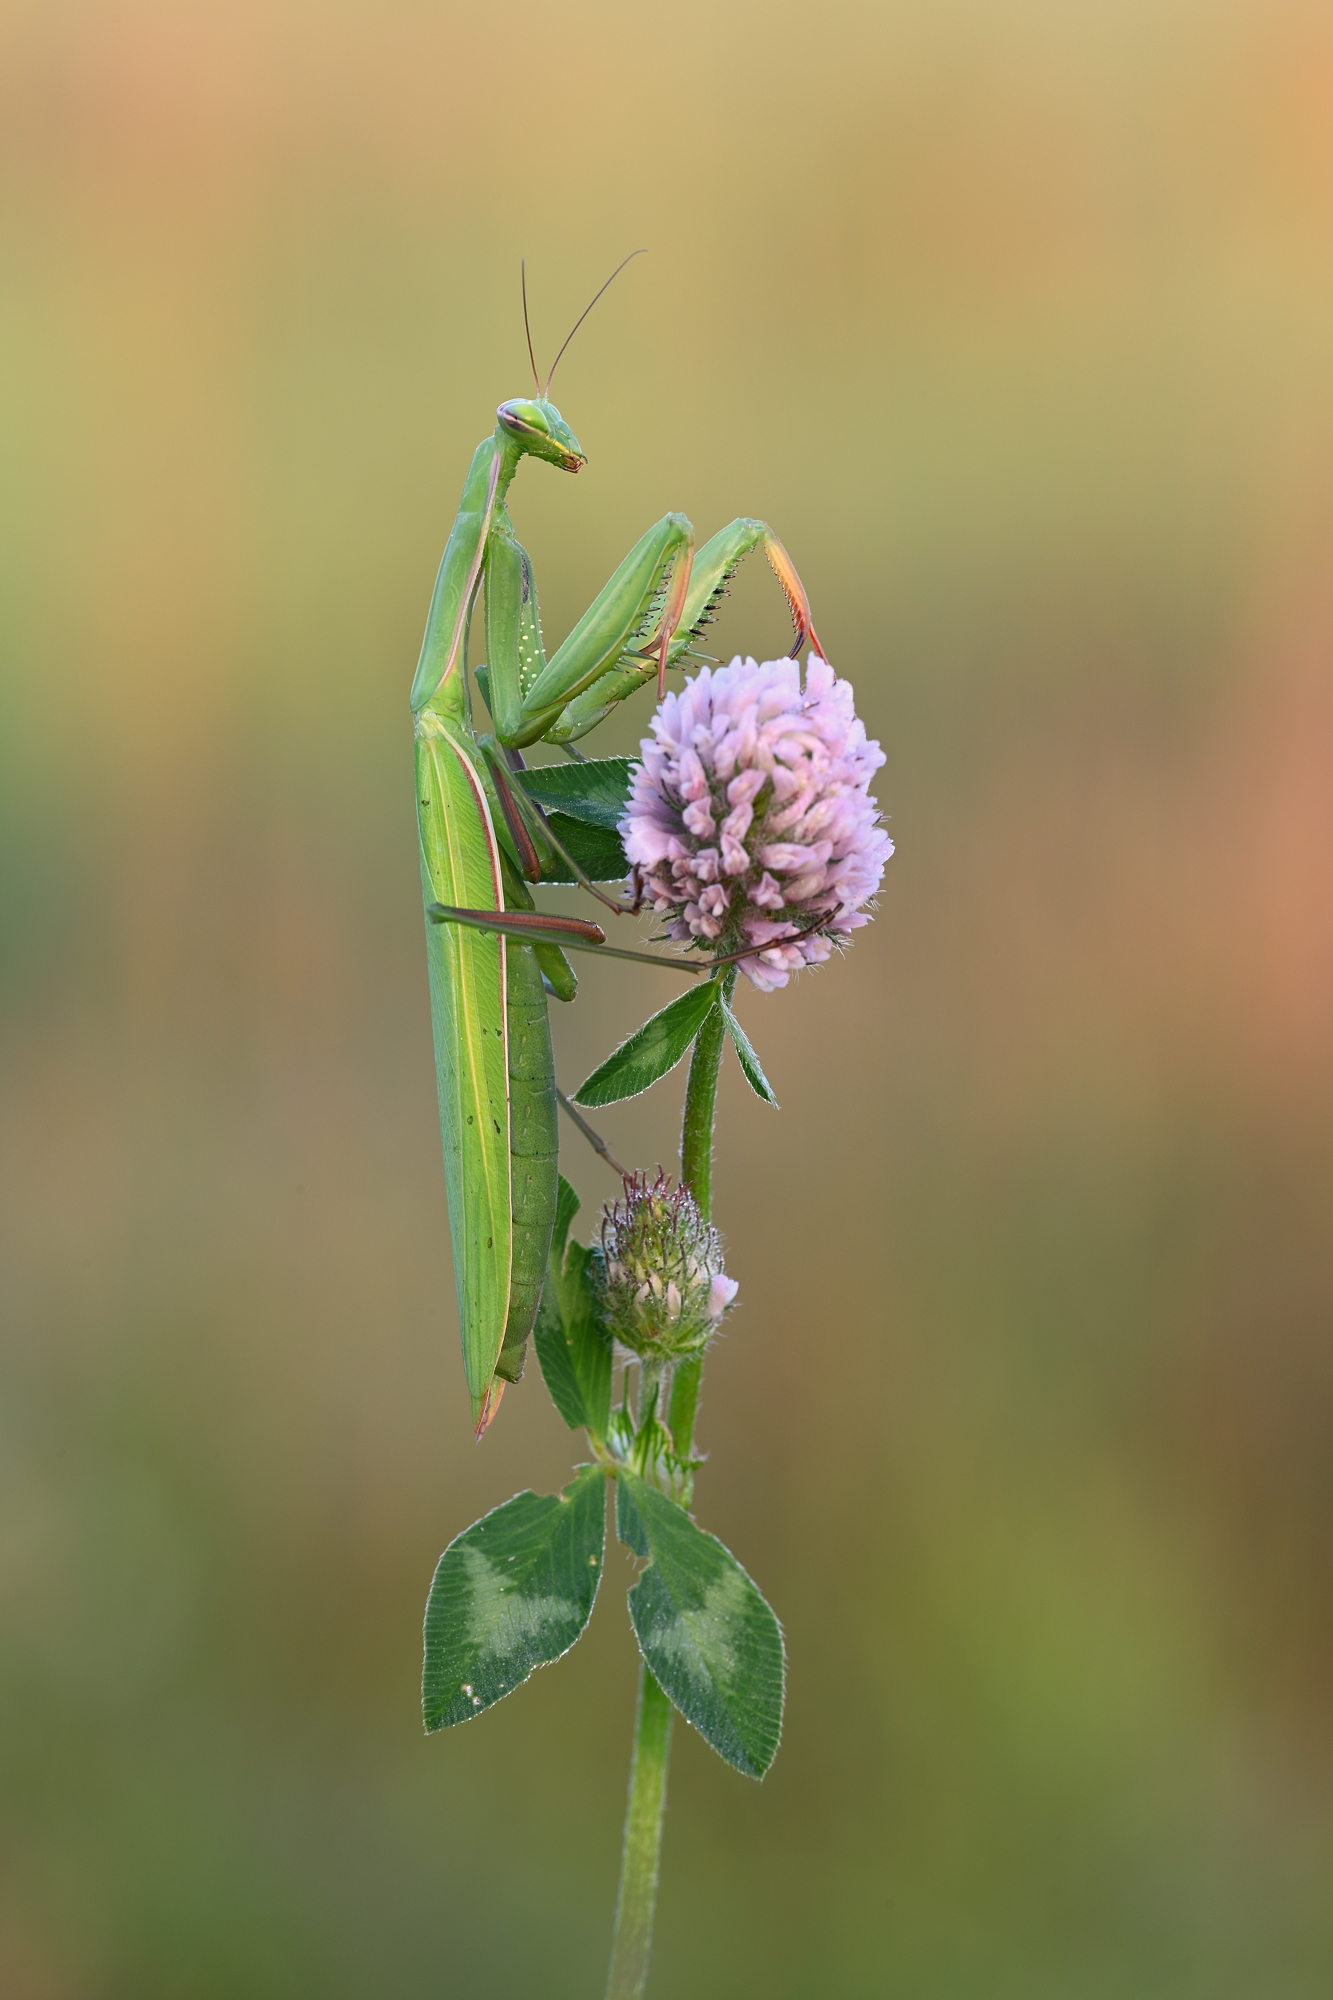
533, 1149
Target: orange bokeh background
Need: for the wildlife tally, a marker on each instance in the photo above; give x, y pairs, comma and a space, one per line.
1017, 322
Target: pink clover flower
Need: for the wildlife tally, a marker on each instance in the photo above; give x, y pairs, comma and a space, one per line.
750, 817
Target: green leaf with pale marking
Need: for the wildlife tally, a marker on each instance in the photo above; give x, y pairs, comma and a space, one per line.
629, 1527
513, 1592
749, 1061
597, 850
557, 1363
651, 1050
572, 1346
702, 1626
595, 790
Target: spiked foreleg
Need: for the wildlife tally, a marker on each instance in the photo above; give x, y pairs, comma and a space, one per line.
515, 657
714, 566
719, 559
641, 603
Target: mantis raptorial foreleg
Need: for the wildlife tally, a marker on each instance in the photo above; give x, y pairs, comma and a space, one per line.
714, 566
644, 597
644, 620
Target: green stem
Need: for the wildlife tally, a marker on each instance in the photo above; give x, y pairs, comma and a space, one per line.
696, 1133
684, 1402
633, 1940
637, 1900
696, 1170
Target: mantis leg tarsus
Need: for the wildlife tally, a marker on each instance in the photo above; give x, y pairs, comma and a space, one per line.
784, 569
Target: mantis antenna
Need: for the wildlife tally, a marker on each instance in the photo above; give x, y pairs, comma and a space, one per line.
587, 309
523, 280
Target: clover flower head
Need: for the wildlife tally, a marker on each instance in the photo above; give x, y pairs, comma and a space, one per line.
664, 1290
750, 817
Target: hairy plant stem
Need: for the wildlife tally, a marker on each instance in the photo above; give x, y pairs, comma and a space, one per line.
636, 1902
696, 1132
696, 1170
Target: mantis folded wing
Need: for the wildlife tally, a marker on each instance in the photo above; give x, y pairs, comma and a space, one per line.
469, 1018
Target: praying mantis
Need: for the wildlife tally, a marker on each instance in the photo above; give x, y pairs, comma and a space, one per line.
493, 959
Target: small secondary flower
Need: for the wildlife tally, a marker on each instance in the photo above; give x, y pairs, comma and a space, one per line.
750, 817
664, 1290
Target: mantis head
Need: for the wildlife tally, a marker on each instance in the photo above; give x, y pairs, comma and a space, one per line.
538, 427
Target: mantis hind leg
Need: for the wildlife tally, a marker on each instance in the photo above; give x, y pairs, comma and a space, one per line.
532, 844
714, 566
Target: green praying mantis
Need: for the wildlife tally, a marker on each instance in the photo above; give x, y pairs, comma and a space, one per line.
493, 959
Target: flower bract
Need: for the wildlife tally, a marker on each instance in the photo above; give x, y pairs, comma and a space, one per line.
664, 1290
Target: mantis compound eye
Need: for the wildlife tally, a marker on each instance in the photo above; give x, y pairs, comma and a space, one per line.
522, 415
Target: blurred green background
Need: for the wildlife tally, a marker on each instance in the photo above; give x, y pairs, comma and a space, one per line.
1016, 319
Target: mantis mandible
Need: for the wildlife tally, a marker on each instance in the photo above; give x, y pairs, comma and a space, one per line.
493, 959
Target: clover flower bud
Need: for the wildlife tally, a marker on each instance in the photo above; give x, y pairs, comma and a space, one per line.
664, 1290
750, 819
